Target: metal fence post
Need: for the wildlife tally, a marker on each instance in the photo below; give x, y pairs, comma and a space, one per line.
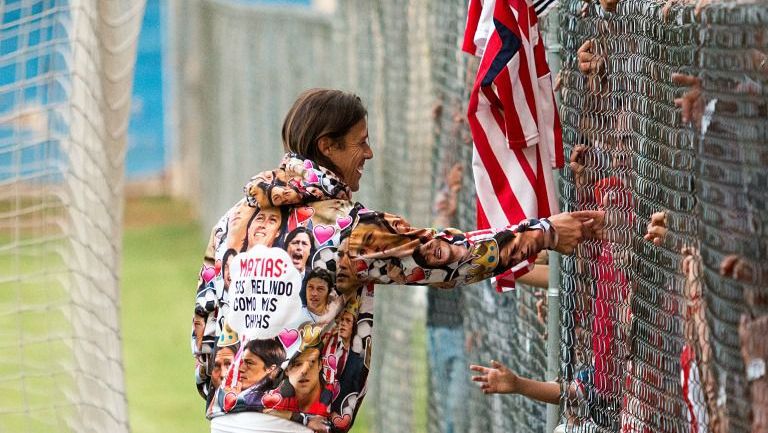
552, 43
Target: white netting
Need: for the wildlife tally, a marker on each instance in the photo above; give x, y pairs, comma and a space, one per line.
66, 70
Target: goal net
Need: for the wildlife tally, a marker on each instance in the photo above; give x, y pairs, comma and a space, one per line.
66, 69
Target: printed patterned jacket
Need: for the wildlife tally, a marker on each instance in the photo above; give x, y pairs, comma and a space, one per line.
265, 260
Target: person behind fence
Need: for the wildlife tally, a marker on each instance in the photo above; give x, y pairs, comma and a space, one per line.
498, 379
325, 135
582, 395
706, 410
610, 298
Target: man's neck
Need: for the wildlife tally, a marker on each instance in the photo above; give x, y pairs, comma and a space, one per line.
307, 401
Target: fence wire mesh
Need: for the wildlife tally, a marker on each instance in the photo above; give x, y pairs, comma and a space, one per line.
388, 67
651, 329
405, 61
510, 328
66, 69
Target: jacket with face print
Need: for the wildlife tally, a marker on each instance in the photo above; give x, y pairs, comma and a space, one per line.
283, 318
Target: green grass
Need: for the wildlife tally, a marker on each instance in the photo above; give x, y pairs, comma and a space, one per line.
160, 266
35, 335
421, 378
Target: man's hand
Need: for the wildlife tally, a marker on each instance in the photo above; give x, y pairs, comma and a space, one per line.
590, 63
607, 5
657, 228
736, 267
700, 5
692, 102
574, 227
496, 379
569, 232
594, 223
576, 163
670, 3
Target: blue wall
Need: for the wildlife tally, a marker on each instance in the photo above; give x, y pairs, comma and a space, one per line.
146, 154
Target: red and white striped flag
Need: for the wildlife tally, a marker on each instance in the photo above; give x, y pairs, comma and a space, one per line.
513, 119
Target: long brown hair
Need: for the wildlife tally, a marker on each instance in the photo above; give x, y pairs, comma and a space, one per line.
319, 113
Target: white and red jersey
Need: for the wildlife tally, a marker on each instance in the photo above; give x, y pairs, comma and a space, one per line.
693, 392
512, 116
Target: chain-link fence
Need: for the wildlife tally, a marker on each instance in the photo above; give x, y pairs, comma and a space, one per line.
650, 343
510, 328
387, 63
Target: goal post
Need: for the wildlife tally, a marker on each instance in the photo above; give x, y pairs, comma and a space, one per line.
66, 70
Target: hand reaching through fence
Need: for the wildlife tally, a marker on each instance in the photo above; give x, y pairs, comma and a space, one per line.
754, 350
700, 5
692, 101
594, 223
590, 62
571, 228
657, 228
607, 5
736, 267
670, 3
576, 163
498, 379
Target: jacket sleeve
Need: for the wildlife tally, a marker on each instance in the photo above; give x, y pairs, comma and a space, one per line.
203, 336
383, 248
